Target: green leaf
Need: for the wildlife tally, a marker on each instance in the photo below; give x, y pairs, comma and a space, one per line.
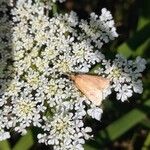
94, 68
4, 145
89, 147
54, 9
123, 124
125, 50
146, 145
144, 17
146, 123
128, 48
142, 22
24, 142
142, 48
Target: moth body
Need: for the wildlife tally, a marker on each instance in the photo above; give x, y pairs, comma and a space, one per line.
91, 86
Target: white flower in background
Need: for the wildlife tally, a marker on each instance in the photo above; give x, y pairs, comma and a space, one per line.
5, 124
124, 93
137, 86
63, 130
100, 29
124, 74
140, 64
95, 113
4, 135
26, 111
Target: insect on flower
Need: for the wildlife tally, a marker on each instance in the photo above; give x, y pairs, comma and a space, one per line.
91, 86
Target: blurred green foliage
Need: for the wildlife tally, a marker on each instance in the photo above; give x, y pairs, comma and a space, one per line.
124, 126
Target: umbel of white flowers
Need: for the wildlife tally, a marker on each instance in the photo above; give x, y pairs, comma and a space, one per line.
34, 58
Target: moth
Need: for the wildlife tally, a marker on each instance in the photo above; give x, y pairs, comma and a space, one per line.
91, 86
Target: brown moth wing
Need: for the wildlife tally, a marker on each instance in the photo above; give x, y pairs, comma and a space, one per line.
94, 95
91, 86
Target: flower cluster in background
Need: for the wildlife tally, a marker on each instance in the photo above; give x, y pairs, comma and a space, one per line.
124, 74
37, 53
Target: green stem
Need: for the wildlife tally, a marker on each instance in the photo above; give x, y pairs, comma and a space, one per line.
54, 9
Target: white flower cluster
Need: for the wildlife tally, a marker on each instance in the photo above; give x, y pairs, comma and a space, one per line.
47, 4
100, 29
37, 53
124, 74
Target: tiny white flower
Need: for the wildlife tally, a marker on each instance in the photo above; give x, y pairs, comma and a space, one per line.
137, 86
95, 113
124, 93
